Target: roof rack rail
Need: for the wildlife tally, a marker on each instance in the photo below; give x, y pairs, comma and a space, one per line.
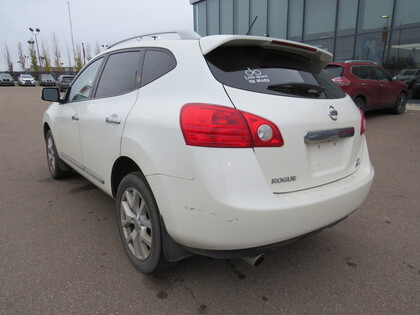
367, 61
183, 34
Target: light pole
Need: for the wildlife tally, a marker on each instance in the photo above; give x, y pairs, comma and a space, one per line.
71, 29
36, 32
384, 35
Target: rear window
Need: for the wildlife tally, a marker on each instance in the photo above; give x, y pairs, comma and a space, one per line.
270, 71
334, 71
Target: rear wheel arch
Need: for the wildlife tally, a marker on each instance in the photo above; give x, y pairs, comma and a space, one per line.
122, 167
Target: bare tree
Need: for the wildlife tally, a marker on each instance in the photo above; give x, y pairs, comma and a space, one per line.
88, 52
57, 53
68, 54
78, 62
8, 59
46, 56
21, 57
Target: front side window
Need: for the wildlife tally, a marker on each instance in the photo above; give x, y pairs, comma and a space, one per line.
270, 71
121, 74
82, 87
382, 75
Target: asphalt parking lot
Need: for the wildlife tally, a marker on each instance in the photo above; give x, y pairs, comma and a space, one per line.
61, 254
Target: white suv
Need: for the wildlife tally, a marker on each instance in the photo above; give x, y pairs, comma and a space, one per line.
224, 146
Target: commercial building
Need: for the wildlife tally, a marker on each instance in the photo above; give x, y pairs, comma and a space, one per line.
384, 31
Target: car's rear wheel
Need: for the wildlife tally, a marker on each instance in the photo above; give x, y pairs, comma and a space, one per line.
400, 104
360, 102
58, 168
139, 224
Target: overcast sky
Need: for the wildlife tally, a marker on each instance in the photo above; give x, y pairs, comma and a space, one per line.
94, 21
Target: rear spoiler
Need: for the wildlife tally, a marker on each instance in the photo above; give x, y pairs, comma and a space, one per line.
319, 57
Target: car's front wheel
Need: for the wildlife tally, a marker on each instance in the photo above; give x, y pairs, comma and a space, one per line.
138, 222
400, 104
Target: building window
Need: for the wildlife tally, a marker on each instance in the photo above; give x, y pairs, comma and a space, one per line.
259, 11
375, 15
347, 17
344, 49
371, 47
241, 17
407, 13
326, 44
212, 17
295, 20
201, 18
404, 50
277, 18
226, 17
319, 18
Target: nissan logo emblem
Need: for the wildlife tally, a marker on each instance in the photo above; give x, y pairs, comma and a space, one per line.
332, 112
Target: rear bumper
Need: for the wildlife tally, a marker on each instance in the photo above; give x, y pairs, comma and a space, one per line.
234, 213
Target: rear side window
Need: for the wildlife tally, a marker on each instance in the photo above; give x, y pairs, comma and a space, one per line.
156, 64
334, 71
120, 75
270, 71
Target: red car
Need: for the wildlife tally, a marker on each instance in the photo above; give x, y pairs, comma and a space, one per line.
370, 86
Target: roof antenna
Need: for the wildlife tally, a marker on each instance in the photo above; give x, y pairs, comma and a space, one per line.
256, 17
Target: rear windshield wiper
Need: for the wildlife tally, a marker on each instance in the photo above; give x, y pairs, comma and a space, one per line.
298, 88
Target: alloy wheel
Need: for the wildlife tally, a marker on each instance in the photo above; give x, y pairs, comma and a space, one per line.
136, 223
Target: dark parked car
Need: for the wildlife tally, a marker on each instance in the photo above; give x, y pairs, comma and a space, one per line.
6, 79
46, 79
64, 81
369, 85
409, 76
26, 79
416, 88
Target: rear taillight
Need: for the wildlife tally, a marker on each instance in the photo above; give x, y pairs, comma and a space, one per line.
207, 125
341, 81
363, 122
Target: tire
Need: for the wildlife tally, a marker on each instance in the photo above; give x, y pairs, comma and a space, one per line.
360, 102
58, 168
139, 226
400, 104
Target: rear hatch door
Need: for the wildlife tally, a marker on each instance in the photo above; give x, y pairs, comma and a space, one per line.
282, 81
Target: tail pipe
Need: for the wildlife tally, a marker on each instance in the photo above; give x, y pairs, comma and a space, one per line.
254, 261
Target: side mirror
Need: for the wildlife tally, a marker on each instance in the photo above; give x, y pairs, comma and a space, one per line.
395, 78
50, 95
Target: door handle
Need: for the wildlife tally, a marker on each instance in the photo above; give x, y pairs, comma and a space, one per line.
75, 117
114, 119
381, 85
365, 84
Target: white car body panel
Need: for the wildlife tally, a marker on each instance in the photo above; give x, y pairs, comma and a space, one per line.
105, 137
311, 164
229, 205
67, 132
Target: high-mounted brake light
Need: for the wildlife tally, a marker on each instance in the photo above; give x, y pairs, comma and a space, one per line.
341, 81
207, 125
276, 42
